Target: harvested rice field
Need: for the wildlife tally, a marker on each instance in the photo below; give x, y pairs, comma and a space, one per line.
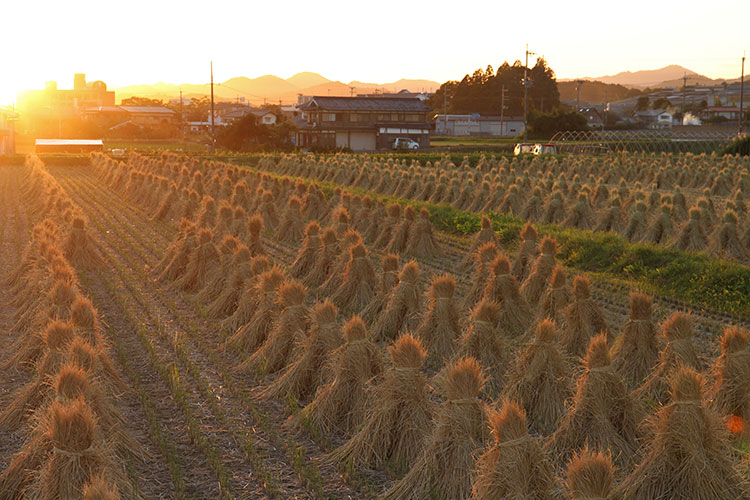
355, 327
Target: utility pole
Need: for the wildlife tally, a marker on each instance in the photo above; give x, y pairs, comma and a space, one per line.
684, 91
213, 125
502, 111
445, 110
526, 85
578, 95
742, 94
182, 116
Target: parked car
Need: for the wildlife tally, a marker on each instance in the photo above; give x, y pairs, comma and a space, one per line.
523, 148
544, 149
405, 143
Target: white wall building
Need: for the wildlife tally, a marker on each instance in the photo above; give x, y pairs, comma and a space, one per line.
467, 125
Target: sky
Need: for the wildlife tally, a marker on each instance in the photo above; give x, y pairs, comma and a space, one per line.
149, 41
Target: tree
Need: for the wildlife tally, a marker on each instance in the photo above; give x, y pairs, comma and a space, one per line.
247, 135
545, 125
661, 103
642, 104
481, 92
141, 101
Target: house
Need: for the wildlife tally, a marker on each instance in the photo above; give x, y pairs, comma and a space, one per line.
7, 127
264, 116
728, 113
466, 125
593, 117
362, 123
654, 119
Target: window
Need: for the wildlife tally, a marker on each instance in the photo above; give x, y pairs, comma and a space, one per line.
328, 117
413, 117
360, 117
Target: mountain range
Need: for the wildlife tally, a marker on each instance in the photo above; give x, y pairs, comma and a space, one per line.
668, 76
272, 89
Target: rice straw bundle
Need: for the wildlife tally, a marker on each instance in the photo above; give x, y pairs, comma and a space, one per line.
240, 272
99, 488
603, 413
77, 453
483, 258
291, 226
539, 380
400, 235
388, 226
203, 263
254, 228
324, 259
590, 475
515, 314
421, 241
485, 235
399, 415
731, 372
307, 372
404, 308
338, 406
442, 469
267, 210
678, 350
513, 466
535, 285
308, 252
350, 239
256, 312
725, 242
483, 341
177, 265
224, 219
217, 283
184, 227
358, 283
582, 215
636, 351
556, 298
690, 455
48, 357
79, 248
611, 218
388, 282
637, 225
290, 327
440, 328
692, 236
582, 319
207, 214
661, 229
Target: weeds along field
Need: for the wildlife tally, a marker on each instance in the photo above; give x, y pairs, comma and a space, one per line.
363, 328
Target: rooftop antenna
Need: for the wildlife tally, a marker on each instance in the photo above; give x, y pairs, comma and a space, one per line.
742, 93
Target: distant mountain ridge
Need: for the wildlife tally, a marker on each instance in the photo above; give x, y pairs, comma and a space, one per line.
668, 76
272, 89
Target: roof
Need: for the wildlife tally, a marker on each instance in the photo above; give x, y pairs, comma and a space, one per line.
724, 109
651, 112
105, 109
262, 112
69, 142
365, 104
148, 110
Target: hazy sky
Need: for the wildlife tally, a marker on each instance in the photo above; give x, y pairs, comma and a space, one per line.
143, 41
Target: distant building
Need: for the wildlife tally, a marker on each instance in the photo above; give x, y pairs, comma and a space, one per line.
54, 112
593, 117
7, 131
362, 123
139, 116
467, 125
729, 113
264, 116
655, 119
